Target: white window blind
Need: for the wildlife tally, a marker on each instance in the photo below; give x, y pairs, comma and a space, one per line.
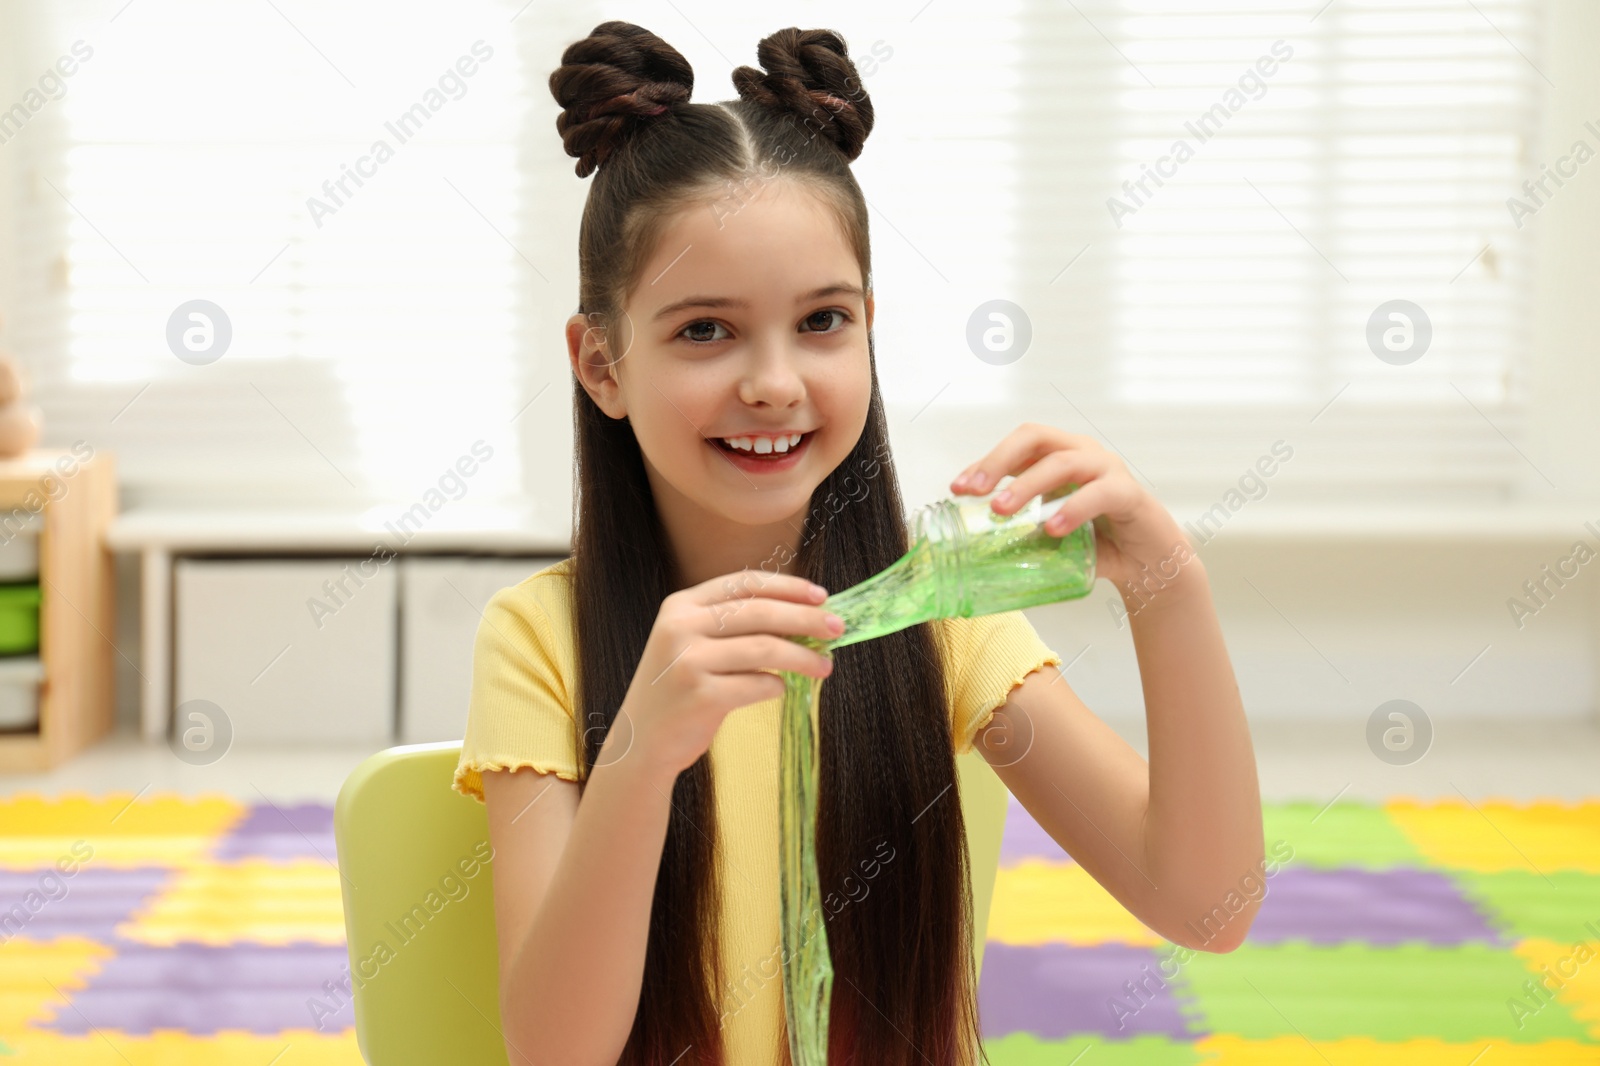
1227, 311
206, 152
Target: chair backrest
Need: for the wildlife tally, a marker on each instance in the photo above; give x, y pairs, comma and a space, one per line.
419, 913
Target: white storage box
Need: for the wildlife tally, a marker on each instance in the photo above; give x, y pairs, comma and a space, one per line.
19, 546
297, 651
441, 606
19, 692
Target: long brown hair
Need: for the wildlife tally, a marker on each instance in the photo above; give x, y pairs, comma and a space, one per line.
904, 988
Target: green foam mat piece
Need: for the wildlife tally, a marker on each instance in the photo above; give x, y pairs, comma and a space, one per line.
1521, 903
1404, 992
1025, 1049
1347, 834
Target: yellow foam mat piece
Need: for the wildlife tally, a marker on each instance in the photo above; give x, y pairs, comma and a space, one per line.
121, 852
255, 900
29, 968
1572, 971
1493, 835
1226, 1050
74, 814
115, 829
1041, 902
165, 1048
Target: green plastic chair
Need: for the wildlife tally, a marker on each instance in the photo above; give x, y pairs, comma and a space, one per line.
424, 962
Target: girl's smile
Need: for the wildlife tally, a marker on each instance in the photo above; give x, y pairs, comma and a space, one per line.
764, 452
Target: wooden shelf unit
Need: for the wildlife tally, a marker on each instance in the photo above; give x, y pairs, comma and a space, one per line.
76, 620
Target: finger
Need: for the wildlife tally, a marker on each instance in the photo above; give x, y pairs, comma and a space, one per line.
741, 690
759, 614
744, 584
762, 651
1016, 450
1095, 498
1020, 449
1053, 471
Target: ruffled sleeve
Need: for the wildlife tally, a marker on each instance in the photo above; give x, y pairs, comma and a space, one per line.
520, 711
986, 658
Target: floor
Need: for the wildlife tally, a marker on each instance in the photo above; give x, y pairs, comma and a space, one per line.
1416, 907
1444, 924
1296, 761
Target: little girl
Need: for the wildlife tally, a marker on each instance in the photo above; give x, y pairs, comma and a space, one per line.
732, 465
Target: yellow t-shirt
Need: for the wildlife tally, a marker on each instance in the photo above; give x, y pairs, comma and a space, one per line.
520, 714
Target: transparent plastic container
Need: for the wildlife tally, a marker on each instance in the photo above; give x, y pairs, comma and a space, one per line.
964, 561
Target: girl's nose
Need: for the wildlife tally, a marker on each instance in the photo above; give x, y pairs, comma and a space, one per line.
771, 376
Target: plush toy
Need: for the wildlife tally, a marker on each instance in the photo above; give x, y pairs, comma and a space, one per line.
19, 419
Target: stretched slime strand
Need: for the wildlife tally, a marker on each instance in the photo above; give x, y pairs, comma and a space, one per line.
965, 561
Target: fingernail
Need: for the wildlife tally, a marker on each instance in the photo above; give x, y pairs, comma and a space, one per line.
818, 591
835, 623
979, 480
1003, 498
961, 482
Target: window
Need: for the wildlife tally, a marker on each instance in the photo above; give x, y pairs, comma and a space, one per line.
1319, 161
344, 184
1191, 306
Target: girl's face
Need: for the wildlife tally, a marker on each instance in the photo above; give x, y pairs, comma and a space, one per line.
749, 322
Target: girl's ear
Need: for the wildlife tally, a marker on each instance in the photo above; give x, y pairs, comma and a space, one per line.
592, 359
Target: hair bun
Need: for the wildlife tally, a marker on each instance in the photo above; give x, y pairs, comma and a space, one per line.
807, 70
607, 82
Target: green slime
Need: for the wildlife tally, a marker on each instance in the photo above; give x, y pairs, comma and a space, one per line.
964, 561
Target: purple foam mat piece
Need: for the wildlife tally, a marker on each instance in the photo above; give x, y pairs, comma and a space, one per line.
280, 831
44, 904
1058, 990
1372, 906
202, 989
1025, 839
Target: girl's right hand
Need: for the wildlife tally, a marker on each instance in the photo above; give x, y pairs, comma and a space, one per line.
706, 657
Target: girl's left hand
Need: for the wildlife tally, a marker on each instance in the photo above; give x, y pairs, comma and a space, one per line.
1133, 532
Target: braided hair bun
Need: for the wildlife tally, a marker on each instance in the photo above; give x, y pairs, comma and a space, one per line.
612, 82
810, 74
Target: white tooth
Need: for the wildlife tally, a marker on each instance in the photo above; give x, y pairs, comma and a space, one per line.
742, 443
763, 445
781, 444
795, 439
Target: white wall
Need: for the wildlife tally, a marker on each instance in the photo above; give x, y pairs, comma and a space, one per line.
9, 87
1566, 367
1361, 625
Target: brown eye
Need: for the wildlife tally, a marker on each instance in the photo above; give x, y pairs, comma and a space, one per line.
703, 324
812, 318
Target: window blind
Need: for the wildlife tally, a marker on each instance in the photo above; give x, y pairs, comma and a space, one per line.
344, 184
1193, 324
1338, 157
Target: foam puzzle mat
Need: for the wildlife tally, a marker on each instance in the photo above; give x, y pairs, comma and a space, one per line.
169, 930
